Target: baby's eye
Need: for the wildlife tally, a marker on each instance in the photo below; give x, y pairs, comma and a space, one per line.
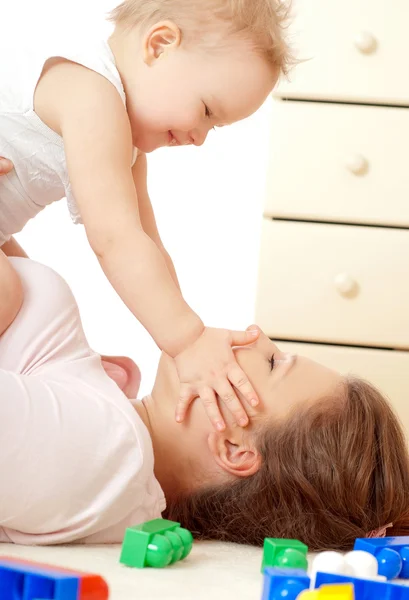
272, 362
208, 111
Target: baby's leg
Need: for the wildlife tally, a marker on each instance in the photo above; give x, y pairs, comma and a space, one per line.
11, 293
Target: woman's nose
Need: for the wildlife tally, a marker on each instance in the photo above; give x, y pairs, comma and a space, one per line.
199, 137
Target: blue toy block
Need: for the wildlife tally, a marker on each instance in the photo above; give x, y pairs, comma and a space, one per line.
392, 554
284, 583
23, 582
366, 589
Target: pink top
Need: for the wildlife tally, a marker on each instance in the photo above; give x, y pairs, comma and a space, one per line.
76, 460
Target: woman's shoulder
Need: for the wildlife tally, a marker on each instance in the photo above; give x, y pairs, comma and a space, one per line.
84, 454
43, 286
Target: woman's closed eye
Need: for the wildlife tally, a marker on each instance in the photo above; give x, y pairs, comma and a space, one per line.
283, 358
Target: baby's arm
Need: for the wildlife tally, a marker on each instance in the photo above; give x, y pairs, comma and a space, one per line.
87, 111
140, 175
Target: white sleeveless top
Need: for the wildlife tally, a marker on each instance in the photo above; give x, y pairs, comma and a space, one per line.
40, 176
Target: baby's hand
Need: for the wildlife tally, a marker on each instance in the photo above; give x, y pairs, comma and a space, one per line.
5, 166
208, 367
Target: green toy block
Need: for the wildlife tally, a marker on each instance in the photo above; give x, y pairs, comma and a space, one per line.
284, 553
156, 543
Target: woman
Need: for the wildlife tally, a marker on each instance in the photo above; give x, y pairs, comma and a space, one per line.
323, 460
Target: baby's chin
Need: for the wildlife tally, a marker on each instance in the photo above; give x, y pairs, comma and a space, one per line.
149, 144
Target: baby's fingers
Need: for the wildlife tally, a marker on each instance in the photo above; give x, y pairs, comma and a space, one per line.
242, 338
241, 382
233, 404
209, 399
5, 166
186, 397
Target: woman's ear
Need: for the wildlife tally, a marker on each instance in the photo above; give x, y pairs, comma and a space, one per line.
124, 372
241, 459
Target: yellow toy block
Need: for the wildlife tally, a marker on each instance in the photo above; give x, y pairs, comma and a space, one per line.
330, 592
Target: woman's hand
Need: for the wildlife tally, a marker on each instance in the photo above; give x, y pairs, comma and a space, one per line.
5, 166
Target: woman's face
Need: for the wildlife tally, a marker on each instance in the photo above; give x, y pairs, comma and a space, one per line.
281, 381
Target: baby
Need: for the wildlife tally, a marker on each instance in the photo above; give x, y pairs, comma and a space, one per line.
80, 106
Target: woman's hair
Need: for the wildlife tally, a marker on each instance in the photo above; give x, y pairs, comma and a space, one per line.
262, 22
332, 471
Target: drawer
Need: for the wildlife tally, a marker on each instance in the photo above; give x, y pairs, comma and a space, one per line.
334, 283
355, 50
340, 163
387, 370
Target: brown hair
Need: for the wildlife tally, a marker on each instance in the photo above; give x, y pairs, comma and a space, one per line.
332, 471
260, 21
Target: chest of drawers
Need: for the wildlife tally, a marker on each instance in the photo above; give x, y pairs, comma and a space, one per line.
334, 267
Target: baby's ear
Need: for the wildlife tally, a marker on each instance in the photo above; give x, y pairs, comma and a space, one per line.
124, 372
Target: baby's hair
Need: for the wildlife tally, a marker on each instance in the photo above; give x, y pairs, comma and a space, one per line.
332, 471
261, 22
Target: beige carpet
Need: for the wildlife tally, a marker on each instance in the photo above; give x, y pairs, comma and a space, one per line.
213, 571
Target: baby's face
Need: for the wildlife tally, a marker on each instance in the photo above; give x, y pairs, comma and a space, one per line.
177, 95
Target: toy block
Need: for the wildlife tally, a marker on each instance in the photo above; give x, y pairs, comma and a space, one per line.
19, 582
341, 591
392, 554
284, 553
156, 543
366, 589
30, 575
284, 583
357, 563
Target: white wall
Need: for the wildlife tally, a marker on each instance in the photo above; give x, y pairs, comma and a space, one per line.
208, 202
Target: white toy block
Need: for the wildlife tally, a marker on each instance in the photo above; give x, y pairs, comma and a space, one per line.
362, 564
356, 563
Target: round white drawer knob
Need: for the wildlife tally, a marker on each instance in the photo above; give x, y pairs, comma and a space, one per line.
357, 164
345, 284
366, 42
